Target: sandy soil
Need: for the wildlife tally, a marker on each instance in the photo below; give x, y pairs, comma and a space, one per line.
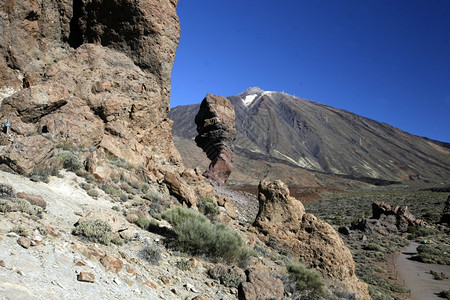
416, 275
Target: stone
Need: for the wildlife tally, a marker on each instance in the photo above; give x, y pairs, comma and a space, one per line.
2, 263
260, 285
283, 219
166, 280
386, 220
111, 263
216, 134
33, 199
151, 284
180, 189
74, 77
131, 270
80, 263
24, 242
200, 298
86, 277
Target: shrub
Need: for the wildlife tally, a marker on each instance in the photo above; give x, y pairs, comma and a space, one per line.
5, 206
438, 276
69, 161
184, 265
20, 230
152, 254
93, 193
208, 207
433, 254
117, 241
304, 283
445, 294
95, 230
26, 207
120, 162
116, 208
196, 234
372, 247
6, 190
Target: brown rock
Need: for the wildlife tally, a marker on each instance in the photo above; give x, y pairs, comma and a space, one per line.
86, 277
166, 280
24, 242
216, 134
283, 218
111, 263
200, 298
151, 284
73, 76
79, 262
33, 199
2, 263
131, 270
261, 285
180, 189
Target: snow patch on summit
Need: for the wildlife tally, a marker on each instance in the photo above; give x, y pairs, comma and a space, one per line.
249, 99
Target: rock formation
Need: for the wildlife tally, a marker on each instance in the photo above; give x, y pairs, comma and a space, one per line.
216, 133
387, 220
283, 218
72, 75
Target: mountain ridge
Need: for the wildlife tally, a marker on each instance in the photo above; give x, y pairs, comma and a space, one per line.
321, 138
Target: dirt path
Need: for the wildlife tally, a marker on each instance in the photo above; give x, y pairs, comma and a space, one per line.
416, 275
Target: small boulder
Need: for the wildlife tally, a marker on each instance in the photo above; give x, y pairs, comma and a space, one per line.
111, 263
33, 199
86, 277
260, 285
24, 242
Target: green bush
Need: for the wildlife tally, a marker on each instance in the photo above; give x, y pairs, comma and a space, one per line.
372, 247
152, 254
117, 241
433, 254
20, 230
95, 230
69, 161
196, 234
208, 207
304, 283
26, 207
438, 275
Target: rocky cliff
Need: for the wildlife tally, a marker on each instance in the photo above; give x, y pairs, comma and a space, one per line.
92, 74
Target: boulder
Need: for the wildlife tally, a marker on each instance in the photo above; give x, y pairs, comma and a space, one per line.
216, 133
386, 220
260, 285
33, 199
283, 219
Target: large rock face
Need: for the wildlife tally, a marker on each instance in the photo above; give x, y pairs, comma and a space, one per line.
89, 73
216, 134
283, 218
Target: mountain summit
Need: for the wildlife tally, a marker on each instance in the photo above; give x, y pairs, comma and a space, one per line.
278, 127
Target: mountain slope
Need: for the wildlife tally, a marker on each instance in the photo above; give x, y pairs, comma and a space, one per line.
277, 127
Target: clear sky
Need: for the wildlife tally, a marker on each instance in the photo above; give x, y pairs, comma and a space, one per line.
388, 60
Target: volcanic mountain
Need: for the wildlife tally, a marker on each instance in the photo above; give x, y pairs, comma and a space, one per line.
304, 142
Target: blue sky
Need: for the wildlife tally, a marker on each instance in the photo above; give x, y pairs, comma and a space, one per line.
387, 60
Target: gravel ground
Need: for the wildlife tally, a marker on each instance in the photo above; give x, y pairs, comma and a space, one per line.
416, 275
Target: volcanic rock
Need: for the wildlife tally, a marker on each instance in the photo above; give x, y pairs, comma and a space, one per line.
71, 74
216, 133
260, 285
387, 220
283, 218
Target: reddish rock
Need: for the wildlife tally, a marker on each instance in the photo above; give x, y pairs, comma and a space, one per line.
86, 277
111, 263
216, 134
33, 199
